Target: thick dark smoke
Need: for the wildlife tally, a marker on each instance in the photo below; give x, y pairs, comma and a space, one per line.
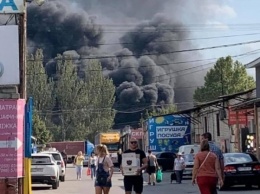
56, 28
141, 78
142, 66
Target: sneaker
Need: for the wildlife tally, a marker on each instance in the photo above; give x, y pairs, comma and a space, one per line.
153, 184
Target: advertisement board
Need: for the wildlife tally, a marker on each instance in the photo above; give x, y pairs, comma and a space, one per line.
168, 133
137, 133
12, 6
11, 138
9, 55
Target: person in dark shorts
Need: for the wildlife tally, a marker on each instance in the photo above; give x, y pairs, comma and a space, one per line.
151, 168
135, 182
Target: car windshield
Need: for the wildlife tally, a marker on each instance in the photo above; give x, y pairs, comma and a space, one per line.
188, 157
112, 147
56, 156
237, 158
41, 160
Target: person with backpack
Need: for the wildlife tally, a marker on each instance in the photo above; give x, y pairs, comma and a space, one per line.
151, 168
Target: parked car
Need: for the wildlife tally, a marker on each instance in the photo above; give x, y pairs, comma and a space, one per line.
189, 163
166, 160
58, 157
241, 169
44, 170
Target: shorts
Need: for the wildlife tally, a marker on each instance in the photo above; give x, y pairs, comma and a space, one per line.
151, 170
133, 182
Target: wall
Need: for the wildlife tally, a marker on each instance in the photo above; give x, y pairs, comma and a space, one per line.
9, 186
257, 69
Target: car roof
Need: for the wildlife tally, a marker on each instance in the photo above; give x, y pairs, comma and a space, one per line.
41, 154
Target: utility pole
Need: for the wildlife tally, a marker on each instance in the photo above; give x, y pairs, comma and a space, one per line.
26, 181
22, 51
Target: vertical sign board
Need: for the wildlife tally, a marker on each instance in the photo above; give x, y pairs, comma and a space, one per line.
9, 55
12, 6
168, 133
11, 138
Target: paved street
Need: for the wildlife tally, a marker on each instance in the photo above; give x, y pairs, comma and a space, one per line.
72, 186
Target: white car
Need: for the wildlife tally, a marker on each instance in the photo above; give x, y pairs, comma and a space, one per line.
189, 163
58, 157
44, 170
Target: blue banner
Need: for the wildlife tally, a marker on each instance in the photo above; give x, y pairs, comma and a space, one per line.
168, 133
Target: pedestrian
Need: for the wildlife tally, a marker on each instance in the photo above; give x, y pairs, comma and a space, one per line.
93, 165
216, 150
206, 170
135, 182
65, 157
179, 165
119, 158
104, 173
78, 162
151, 167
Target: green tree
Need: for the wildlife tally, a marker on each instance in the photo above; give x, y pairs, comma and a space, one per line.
39, 86
67, 95
40, 131
226, 77
84, 105
99, 102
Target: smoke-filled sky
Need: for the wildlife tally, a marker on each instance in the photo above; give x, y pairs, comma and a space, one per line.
139, 37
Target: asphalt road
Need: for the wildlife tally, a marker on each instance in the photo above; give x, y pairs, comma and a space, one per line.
73, 186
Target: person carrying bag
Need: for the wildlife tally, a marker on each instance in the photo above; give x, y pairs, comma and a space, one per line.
206, 170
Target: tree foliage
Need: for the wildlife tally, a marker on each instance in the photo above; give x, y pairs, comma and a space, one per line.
38, 84
67, 106
40, 131
226, 77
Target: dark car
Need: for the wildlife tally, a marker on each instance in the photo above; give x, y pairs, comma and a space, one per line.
166, 160
241, 169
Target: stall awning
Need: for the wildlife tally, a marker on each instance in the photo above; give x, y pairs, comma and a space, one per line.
247, 104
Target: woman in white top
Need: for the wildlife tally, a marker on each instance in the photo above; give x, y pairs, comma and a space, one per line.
104, 170
93, 165
179, 165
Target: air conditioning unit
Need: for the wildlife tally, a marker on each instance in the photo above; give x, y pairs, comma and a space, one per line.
222, 114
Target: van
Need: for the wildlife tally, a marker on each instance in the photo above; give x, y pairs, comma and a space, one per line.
186, 149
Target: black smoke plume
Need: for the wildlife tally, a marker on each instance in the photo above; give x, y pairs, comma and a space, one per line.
142, 66
56, 28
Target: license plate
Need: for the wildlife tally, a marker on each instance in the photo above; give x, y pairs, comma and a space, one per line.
37, 169
244, 168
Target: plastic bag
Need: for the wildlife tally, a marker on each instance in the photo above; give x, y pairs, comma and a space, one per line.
159, 176
88, 172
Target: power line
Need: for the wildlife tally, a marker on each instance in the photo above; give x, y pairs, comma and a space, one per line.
168, 52
156, 41
181, 62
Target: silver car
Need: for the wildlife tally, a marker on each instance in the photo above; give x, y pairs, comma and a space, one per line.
189, 163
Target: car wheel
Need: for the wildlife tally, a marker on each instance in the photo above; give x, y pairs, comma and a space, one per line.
248, 186
55, 185
62, 178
